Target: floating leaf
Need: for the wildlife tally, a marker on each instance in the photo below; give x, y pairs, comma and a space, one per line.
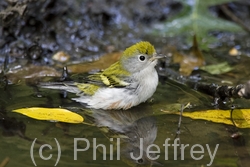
217, 68
241, 117
51, 114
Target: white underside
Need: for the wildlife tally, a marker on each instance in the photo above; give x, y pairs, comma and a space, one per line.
122, 98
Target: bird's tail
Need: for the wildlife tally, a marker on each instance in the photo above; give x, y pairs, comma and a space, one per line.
67, 86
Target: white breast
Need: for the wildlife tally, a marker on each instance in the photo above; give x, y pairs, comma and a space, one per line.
148, 83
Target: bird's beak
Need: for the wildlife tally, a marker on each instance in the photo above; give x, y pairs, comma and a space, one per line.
157, 56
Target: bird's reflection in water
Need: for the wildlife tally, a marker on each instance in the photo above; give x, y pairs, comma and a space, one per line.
136, 130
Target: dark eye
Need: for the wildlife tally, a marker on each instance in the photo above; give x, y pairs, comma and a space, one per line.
142, 58
140, 161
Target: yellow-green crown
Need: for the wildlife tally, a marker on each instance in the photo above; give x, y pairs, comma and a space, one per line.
142, 47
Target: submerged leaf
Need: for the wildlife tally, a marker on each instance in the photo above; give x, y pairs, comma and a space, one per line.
188, 62
31, 72
51, 114
240, 117
218, 68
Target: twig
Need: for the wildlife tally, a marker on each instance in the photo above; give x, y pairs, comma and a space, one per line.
231, 114
221, 93
179, 123
4, 162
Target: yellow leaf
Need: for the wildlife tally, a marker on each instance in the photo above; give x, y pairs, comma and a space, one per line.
51, 114
241, 117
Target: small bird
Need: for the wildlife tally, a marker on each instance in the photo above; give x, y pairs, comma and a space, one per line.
128, 82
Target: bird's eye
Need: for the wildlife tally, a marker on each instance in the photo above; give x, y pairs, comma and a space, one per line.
140, 161
142, 58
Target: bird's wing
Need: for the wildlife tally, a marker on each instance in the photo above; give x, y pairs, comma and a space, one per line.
114, 76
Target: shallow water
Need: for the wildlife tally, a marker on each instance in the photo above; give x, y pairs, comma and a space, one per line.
86, 30
145, 121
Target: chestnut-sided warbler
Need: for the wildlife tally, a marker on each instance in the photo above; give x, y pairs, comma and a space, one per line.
126, 83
